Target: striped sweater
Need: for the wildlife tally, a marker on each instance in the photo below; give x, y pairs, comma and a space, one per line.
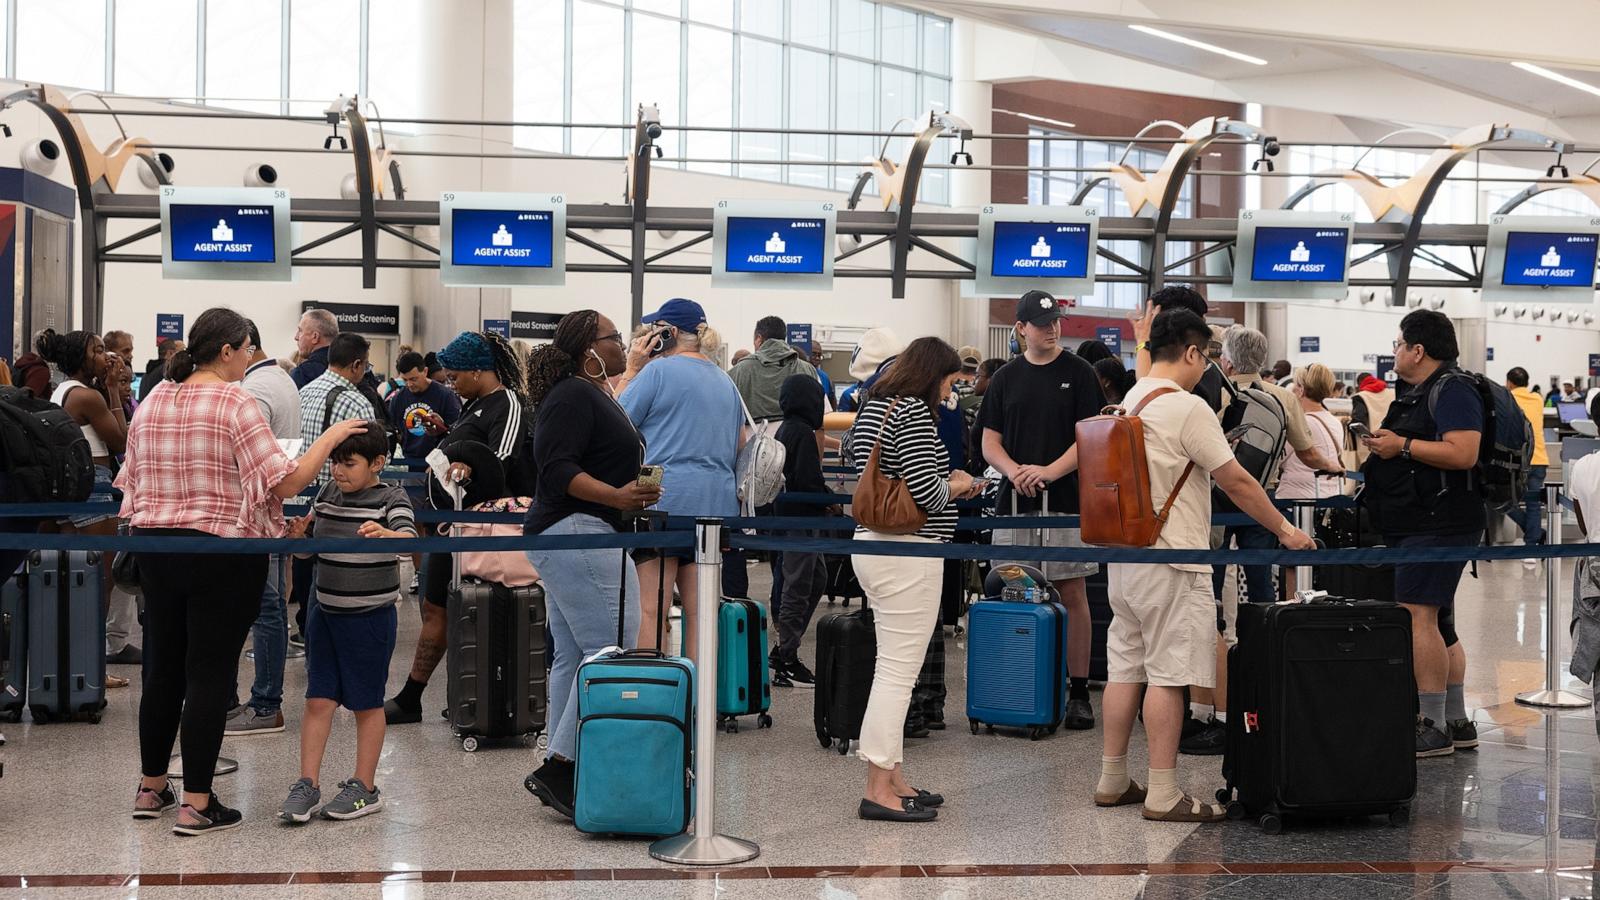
911, 451
359, 582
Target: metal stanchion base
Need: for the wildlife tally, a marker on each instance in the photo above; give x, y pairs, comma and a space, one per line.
1554, 699
224, 766
716, 850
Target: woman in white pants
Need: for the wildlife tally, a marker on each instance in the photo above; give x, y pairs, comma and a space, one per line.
903, 591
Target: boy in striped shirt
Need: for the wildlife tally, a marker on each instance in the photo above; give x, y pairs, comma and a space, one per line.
350, 629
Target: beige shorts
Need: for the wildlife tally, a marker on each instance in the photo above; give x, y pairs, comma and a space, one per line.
1163, 626
1053, 537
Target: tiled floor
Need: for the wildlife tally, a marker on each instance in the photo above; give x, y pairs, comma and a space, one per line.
1517, 818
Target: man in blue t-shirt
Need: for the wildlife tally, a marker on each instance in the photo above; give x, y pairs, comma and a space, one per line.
423, 410
1420, 492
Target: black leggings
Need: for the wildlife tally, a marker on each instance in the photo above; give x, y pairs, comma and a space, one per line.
198, 610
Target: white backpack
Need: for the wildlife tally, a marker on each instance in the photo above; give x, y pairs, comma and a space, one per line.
758, 472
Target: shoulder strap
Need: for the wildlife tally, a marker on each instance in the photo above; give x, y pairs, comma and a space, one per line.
1166, 507
1151, 396
327, 404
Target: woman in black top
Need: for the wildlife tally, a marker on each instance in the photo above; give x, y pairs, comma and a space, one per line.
901, 412
587, 455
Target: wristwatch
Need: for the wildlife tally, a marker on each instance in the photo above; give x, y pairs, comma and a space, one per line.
1142, 345
1405, 449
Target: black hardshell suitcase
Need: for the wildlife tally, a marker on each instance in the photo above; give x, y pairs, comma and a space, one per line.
842, 582
1303, 678
13, 648
495, 661
847, 655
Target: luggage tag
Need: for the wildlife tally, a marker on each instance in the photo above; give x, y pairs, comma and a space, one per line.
1252, 723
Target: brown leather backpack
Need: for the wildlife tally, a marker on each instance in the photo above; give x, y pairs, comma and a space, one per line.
1114, 479
881, 503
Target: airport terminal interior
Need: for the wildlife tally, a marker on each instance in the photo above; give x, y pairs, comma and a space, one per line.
825, 180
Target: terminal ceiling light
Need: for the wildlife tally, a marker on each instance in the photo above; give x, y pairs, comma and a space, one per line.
1557, 77
1199, 45
1033, 118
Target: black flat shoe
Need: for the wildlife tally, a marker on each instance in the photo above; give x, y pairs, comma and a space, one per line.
910, 811
915, 728
926, 799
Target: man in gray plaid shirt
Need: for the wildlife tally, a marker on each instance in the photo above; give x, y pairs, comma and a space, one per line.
333, 395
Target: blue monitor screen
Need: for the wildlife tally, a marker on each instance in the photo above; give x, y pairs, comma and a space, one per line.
1549, 259
1299, 254
770, 244
1040, 250
1575, 411
502, 237
215, 232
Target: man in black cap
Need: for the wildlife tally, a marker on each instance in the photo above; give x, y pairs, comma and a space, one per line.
1029, 416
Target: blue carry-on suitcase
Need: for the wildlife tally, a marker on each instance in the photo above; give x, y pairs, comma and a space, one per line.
14, 646
1016, 666
744, 682
66, 636
635, 740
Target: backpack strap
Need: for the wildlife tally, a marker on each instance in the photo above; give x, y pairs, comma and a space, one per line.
1188, 470
327, 405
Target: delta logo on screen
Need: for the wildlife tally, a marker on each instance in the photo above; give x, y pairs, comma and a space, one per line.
501, 237
1040, 250
213, 232
773, 245
1300, 254
1549, 259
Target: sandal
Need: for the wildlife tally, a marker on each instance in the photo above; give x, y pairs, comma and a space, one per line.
1189, 810
115, 681
1134, 794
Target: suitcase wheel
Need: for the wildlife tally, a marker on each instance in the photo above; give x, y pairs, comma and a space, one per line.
40, 714
469, 744
731, 726
972, 725
1035, 732
1399, 817
825, 741
1235, 810
764, 721
1271, 824
93, 718
1225, 796
843, 747
988, 729
12, 715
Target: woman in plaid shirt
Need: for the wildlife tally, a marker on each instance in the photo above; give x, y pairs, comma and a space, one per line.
201, 461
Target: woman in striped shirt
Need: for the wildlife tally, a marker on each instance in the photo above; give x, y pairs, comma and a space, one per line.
901, 412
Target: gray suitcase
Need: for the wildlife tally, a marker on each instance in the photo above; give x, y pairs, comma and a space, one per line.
496, 678
66, 636
13, 649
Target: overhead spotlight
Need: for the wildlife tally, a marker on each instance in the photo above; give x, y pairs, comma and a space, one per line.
1572, 315
1414, 301
1588, 318
40, 157
1500, 309
1436, 302
650, 117
260, 175
1519, 313
1538, 313
848, 242
147, 176
1269, 149
348, 188
1368, 295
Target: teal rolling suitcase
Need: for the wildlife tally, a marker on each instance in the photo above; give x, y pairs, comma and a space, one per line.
744, 683
635, 741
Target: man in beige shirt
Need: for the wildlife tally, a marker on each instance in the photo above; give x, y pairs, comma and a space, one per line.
1163, 623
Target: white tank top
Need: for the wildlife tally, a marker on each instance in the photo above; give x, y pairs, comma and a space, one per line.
97, 447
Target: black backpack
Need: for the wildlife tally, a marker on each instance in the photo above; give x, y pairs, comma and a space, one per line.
1505, 453
44, 457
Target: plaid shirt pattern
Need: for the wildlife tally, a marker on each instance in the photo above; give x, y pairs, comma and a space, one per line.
203, 457
350, 404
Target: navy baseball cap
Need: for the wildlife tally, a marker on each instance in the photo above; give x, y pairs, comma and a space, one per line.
1038, 308
685, 315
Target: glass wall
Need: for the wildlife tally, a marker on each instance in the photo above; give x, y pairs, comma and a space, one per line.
771, 64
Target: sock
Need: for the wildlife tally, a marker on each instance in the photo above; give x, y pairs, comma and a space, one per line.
1220, 716
1077, 688
1200, 710
410, 696
1113, 776
1163, 793
1432, 707
1455, 702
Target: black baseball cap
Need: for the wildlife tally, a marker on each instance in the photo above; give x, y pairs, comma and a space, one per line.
1038, 308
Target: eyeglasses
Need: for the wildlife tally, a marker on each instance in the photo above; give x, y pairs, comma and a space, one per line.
613, 336
1398, 344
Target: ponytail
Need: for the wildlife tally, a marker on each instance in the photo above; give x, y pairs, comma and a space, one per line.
180, 365
216, 328
558, 360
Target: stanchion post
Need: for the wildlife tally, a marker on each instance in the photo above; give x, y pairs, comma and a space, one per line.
1305, 519
1552, 696
701, 845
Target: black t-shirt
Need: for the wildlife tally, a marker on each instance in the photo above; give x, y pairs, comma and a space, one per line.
1210, 386
578, 429
1036, 410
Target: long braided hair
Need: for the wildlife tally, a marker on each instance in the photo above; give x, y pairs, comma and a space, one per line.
507, 364
560, 359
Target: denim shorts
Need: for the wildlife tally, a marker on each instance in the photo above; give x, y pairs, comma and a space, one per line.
347, 656
102, 474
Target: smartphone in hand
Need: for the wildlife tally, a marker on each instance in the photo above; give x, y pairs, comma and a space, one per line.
650, 475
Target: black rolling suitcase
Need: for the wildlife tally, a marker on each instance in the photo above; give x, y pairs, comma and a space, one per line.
13, 648
847, 653
1343, 528
1302, 680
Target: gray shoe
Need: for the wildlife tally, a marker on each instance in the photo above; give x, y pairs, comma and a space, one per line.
353, 801
303, 797
252, 722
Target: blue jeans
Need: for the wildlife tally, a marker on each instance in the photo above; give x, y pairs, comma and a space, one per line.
269, 637
1257, 579
1530, 518
580, 593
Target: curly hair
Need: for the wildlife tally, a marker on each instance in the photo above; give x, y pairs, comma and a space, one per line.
559, 359
507, 364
